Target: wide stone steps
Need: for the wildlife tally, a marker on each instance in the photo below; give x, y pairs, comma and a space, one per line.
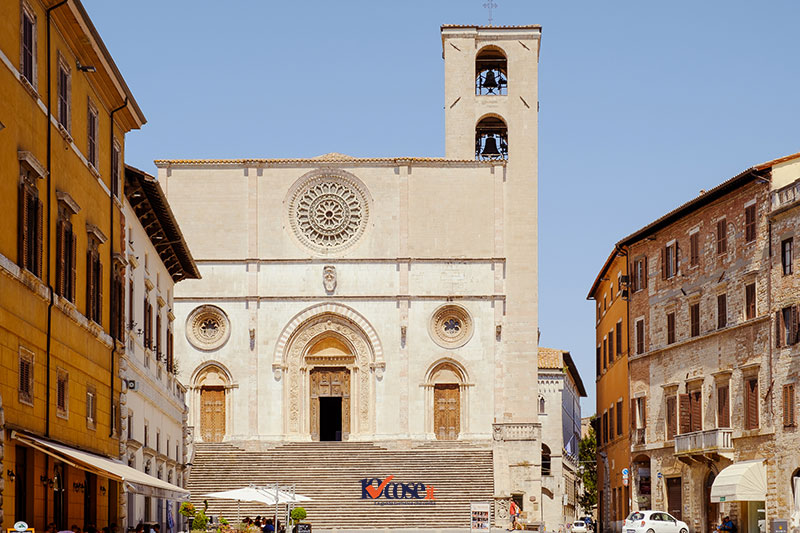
331, 473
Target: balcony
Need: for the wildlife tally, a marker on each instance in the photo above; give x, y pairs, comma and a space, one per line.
702, 446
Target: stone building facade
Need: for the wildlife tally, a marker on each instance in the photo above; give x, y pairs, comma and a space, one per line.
391, 300
154, 416
713, 328
560, 391
783, 466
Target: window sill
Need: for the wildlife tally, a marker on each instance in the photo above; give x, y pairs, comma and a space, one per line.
25, 401
29, 87
62, 414
93, 170
64, 133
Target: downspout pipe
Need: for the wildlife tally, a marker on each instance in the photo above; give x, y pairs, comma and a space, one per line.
112, 299
49, 183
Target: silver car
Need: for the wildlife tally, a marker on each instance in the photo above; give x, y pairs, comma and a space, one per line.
653, 522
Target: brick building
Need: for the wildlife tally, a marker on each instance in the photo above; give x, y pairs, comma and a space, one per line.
713, 320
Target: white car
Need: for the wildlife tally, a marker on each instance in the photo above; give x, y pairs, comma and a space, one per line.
653, 522
579, 526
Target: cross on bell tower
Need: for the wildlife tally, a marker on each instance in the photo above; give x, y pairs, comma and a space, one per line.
490, 5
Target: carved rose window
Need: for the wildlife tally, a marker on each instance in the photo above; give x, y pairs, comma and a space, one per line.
207, 327
328, 211
451, 326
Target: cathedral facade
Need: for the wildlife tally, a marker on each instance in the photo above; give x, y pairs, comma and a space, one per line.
390, 300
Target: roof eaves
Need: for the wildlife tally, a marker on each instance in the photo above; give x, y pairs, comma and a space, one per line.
602, 272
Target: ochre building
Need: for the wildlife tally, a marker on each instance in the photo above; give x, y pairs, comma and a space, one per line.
64, 113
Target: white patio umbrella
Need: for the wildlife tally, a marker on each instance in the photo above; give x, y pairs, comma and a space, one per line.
268, 496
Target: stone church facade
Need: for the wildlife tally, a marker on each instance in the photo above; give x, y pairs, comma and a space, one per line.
391, 300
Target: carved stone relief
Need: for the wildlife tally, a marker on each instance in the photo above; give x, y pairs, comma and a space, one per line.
329, 278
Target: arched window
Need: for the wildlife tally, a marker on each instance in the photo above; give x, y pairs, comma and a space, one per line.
491, 72
546, 463
541, 405
491, 139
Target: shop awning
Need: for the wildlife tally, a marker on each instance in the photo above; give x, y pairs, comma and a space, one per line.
133, 480
745, 481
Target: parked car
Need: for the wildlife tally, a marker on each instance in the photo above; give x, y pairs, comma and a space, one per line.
653, 522
579, 526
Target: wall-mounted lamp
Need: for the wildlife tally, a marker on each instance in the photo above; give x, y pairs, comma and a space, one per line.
85, 68
102, 490
11, 475
47, 482
2, 126
79, 487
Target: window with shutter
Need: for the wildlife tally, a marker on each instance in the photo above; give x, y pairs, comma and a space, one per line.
694, 319
685, 413
619, 417
640, 336
64, 89
750, 300
751, 403
723, 407
25, 390
786, 256
788, 325
619, 338
722, 311
116, 185
611, 420
750, 223
91, 407
30, 224
694, 249
671, 418
598, 363
28, 45
62, 393
778, 329
722, 237
611, 346
605, 353
91, 135
788, 405
670, 328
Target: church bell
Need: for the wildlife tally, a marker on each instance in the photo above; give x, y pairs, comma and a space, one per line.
490, 147
489, 81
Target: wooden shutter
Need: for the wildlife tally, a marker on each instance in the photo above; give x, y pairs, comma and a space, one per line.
663, 264
778, 329
671, 418
22, 229
89, 283
633, 414
697, 420
73, 263
723, 407
61, 252
751, 407
788, 405
796, 324
685, 413
632, 278
37, 262
98, 307
611, 346
675, 259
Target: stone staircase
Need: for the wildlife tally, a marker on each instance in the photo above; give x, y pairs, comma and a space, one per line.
331, 473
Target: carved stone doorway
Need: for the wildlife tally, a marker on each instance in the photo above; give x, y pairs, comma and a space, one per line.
212, 414
330, 403
447, 411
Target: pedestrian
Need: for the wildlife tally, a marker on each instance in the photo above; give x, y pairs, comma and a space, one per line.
727, 525
513, 510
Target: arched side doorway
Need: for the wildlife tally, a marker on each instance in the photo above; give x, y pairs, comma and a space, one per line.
446, 386
712, 509
211, 384
328, 360
641, 486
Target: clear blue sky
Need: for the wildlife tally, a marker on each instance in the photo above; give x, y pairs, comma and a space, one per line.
642, 103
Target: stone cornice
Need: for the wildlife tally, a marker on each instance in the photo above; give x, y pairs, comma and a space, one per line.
346, 260
333, 298
326, 163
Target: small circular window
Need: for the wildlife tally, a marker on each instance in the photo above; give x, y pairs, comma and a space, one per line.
207, 327
451, 326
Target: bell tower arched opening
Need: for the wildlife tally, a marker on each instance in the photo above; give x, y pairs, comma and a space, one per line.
491, 72
491, 139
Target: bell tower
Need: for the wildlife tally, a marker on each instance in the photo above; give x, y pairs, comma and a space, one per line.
491, 113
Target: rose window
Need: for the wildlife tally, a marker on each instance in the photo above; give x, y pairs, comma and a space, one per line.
207, 327
328, 212
451, 326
